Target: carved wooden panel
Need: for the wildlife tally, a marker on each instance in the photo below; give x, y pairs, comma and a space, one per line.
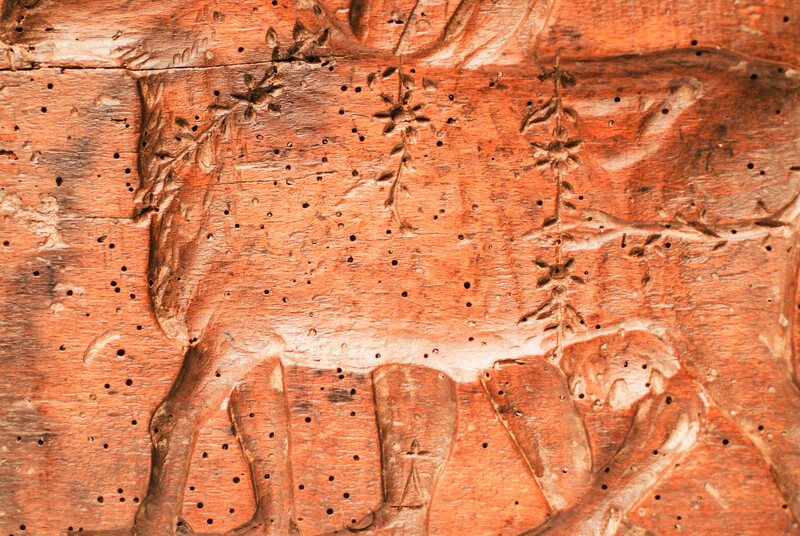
520, 267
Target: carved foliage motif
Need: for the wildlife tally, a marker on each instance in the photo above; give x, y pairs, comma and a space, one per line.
558, 313
403, 117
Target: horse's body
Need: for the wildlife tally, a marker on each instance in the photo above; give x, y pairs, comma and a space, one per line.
299, 213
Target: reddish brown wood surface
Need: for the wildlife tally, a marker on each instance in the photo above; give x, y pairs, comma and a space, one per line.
399, 269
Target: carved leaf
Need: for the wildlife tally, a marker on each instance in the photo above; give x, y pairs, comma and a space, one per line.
371, 80
652, 238
205, 155
271, 38
299, 32
703, 229
539, 114
574, 144
389, 71
218, 109
636, 252
647, 282
224, 127
769, 223
385, 176
568, 80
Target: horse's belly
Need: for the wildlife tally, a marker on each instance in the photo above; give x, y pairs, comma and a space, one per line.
343, 283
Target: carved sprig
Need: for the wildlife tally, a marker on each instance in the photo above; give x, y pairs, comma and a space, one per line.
555, 278
403, 118
159, 183
595, 227
557, 154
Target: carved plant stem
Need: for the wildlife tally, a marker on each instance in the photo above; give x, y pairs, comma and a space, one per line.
559, 158
394, 205
401, 116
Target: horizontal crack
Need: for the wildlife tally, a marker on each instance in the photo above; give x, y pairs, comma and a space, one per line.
35, 66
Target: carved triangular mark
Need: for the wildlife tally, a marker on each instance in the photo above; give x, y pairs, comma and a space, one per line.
412, 496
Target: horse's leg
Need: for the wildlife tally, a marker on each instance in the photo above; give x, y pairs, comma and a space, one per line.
762, 400
260, 416
534, 403
416, 413
209, 371
664, 427
737, 342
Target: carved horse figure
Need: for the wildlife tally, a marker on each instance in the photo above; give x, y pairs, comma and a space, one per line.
654, 137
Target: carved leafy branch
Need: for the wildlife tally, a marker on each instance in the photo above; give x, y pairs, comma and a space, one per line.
157, 165
557, 154
402, 118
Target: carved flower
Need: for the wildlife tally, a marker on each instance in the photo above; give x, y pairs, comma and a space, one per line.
557, 274
559, 151
401, 114
557, 278
261, 94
